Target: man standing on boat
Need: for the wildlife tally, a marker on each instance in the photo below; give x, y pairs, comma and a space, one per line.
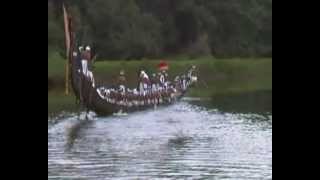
163, 75
122, 81
144, 82
78, 59
86, 58
153, 82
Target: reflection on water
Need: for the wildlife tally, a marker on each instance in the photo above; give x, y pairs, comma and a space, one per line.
250, 102
181, 141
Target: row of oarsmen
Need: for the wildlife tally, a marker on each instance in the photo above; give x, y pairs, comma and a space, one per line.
155, 84
162, 82
133, 97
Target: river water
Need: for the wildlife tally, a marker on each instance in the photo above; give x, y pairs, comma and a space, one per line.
188, 140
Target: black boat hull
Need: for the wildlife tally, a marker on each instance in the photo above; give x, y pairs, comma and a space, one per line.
91, 99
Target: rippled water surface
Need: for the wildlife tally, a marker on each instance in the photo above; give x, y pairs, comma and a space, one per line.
182, 141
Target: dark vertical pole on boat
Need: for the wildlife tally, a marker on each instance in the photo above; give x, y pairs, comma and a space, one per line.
67, 37
80, 94
89, 103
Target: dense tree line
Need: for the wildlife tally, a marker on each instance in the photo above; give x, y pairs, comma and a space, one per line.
126, 29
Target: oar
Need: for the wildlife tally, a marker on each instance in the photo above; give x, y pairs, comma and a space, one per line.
204, 83
93, 60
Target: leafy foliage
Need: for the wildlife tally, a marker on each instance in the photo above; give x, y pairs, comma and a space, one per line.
135, 29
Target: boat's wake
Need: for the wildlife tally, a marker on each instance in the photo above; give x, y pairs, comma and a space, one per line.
177, 139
